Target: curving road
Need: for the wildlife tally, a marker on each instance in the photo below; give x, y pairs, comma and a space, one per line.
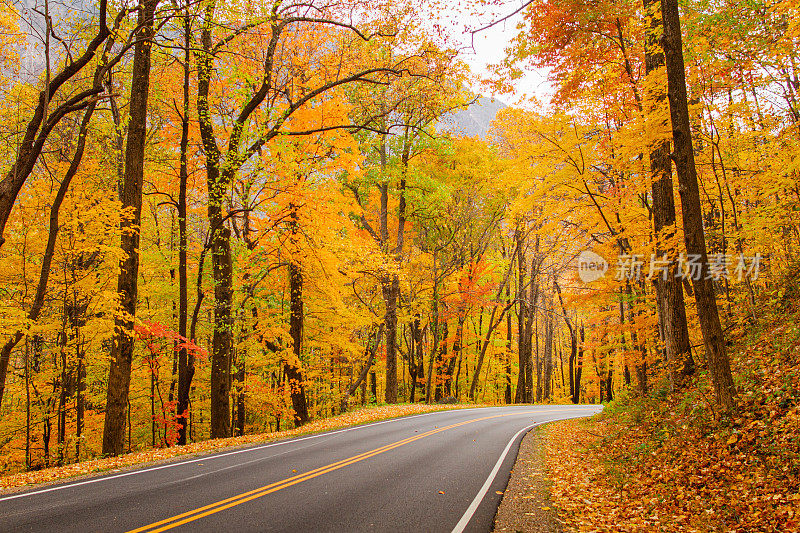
432, 472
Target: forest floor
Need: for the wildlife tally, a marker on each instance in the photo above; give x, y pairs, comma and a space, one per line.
96, 466
672, 462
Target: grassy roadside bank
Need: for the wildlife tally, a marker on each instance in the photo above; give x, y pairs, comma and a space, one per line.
672, 462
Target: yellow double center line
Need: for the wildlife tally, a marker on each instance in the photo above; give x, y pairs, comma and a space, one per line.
200, 512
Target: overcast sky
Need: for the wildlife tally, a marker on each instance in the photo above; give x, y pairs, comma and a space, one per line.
488, 46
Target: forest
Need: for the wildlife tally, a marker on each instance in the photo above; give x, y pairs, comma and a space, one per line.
222, 218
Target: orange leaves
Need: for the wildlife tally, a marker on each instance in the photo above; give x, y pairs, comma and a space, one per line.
669, 464
473, 286
151, 332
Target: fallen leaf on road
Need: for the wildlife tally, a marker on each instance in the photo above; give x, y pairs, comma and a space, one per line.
441, 492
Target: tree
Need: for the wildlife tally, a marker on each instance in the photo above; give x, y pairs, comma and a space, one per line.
223, 165
119, 375
669, 292
412, 106
692, 212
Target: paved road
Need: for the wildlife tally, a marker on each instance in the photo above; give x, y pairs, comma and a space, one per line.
432, 472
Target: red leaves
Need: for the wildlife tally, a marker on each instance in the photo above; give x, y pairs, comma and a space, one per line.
151, 332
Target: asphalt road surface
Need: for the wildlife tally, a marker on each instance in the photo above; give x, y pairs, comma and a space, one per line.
433, 472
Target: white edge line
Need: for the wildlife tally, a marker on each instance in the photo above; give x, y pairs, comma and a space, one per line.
215, 456
462, 524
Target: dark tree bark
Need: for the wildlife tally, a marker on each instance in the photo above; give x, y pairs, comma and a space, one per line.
222, 340
390, 285
507, 395
221, 259
522, 353
413, 370
80, 393
393, 294
119, 376
362, 375
547, 364
640, 365
573, 338
435, 329
716, 357
185, 359
671, 308
293, 373
415, 365
391, 291
533, 297
240, 397
576, 392
441, 358
453, 359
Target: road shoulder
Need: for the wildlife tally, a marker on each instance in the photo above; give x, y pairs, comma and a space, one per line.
526, 504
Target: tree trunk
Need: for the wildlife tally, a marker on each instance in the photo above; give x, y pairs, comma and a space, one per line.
548, 352
640, 365
362, 375
533, 297
240, 406
185, 359
221, 260
717, 358
573, 343
413, 369
222, 343
507, 395
119, 376
292, 369
440, 363
522, 353
80, 394
391, 290
436, 331
576, 393
454, 357
671, 308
